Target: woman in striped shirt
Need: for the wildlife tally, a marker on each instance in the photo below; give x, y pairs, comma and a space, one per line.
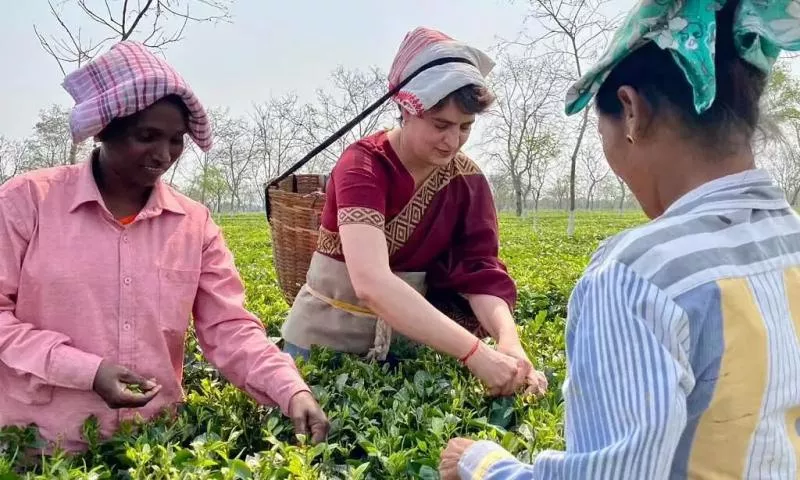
683, 335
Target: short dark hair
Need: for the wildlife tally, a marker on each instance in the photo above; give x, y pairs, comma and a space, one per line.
470, 99
118, 127
734, 114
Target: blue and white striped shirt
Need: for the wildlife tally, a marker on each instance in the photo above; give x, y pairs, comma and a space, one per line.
683, 348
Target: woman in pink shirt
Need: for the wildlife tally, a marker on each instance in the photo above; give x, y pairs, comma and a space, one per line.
102, 265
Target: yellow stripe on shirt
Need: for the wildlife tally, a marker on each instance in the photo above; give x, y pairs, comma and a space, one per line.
725, 432
490, 459
791, 280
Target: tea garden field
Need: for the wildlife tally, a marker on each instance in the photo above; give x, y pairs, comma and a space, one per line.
388, 421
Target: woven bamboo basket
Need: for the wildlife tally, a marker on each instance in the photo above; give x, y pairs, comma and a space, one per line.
294, 211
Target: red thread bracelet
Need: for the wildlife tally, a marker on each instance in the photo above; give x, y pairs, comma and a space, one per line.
471, 352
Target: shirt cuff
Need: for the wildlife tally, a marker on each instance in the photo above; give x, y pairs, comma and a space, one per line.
281, 382
73, 368
479, 458
286, 399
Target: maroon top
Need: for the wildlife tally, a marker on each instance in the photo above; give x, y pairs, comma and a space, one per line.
446, 228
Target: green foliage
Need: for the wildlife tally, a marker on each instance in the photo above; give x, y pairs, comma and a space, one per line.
782, 97
388, 420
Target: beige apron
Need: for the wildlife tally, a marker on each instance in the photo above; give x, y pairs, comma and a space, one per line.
327, 312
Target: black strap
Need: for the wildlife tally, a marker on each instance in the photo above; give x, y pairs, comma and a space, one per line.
361, 116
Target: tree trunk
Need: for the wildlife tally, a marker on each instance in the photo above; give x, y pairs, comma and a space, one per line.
622, 201
572, 169
174, 170
589, 197
73, 153
518, 196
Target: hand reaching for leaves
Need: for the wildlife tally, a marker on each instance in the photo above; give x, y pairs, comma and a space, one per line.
308, 418
536, 382
448, 465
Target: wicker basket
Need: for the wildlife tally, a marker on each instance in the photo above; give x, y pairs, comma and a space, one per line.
294, 209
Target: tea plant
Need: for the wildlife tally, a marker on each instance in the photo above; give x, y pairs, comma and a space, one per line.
388, 420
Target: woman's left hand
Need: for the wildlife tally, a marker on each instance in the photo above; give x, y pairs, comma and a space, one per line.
448, 465
537, 382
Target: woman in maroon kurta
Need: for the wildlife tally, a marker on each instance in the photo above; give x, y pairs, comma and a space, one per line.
409, 236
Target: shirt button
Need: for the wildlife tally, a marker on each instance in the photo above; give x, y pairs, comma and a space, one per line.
127, 281
126, 327
125, 238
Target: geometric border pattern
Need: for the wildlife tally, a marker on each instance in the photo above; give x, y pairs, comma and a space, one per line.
400, 228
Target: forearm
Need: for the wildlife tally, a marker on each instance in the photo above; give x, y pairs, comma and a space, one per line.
44, 355
233, 339
240, 349
408, 312
495, 316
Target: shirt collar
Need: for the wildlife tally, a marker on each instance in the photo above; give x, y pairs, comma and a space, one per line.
752, 188
162, 197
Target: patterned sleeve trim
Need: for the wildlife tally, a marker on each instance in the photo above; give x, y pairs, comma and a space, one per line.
361, 215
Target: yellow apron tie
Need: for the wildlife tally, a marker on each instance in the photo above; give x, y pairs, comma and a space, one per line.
347, 307
383, 332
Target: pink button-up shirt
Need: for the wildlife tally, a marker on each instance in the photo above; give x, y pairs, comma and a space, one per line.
77, 287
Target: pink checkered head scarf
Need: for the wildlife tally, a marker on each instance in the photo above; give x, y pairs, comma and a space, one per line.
423, 45
127, 79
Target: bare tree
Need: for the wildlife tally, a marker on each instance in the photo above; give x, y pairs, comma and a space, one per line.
623, 190
788, 173
51, 144
501, 190
155, 23
594, 168
235, 151
209, 187
575, 30
559, 190
525, 97
281, 137
781, 117
780, 104
783, 161
352, 92
184, 171
12, 158
540, 153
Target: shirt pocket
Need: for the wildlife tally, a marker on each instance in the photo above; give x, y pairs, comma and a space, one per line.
177, 290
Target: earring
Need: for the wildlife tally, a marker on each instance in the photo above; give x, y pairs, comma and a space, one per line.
630, 139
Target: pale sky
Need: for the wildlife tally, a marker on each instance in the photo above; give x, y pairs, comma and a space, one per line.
270, 48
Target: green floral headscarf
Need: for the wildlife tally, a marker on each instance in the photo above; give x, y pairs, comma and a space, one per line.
687, 28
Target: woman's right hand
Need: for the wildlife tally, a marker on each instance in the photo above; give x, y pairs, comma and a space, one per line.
118, 386
502, 374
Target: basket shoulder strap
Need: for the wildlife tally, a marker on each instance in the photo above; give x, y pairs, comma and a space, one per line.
361, 116
352, 123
